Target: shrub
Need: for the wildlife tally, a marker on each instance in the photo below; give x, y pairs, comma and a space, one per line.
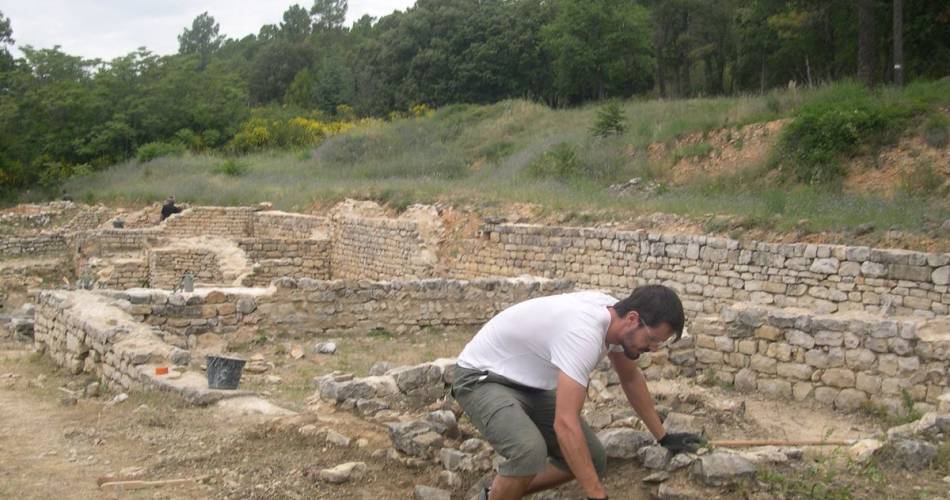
833, 126
935, 131
496, 150
153, 150
922, 180
610, 120
561, 162
232, 168
190, 139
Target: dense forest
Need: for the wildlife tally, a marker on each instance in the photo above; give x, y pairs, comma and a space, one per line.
63, 115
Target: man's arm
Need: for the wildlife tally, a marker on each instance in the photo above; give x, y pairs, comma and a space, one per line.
570, 436
635, 387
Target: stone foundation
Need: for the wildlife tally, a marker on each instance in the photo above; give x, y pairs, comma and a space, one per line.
842, 360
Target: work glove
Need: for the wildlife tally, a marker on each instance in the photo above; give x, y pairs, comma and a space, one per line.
682, 441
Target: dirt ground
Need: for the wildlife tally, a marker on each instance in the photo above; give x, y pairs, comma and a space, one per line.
52, 450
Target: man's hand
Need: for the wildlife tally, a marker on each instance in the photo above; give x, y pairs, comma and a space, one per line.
682, 441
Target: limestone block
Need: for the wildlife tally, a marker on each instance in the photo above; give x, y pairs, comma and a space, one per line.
838, 377
775, 388
850, 399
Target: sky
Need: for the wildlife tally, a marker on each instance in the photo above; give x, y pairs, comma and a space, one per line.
106, 29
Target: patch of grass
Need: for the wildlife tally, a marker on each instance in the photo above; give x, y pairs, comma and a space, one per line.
231, 168
695, 150
936, 130
495, 151
923, 180
817, 481
888, 418
380, 333
710, 379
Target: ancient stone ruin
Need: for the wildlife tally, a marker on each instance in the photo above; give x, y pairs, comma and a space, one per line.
840, 326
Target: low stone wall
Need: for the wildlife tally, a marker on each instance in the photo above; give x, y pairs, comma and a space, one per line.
50, 244
842, 360
378, 248
88, 332
231, 222
312, 307
167, 266
84, 332
277, 258
396, 306
287, 226
711, 272
119, 273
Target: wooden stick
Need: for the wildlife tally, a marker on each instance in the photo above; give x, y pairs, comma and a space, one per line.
745, 443
140, 484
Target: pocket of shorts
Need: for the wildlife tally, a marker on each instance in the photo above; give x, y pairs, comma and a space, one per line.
486, 408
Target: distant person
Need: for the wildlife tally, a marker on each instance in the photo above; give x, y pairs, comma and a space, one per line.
169, 208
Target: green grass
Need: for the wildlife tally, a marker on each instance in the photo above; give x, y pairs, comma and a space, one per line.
695, 150
518, 152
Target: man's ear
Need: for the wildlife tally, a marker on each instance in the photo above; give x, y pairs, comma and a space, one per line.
633, 317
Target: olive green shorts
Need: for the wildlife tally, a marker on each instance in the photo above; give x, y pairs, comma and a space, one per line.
518, 421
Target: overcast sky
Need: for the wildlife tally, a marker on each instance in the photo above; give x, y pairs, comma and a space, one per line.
111, 28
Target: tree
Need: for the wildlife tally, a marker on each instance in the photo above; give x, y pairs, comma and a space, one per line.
273, 70
600, 48
6, 38
898, 42
866, 43
297, 24
202, 39
6, 32
328, 14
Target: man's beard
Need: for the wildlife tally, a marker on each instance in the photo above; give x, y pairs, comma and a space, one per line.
631, 354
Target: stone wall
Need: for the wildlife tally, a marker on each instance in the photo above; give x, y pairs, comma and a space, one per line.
84, 332
94, 333
180, 316
378, 248
286, 226
277, 258
311, 307
167, 266
231, 222
50, 244
711, 272
119, 273
842, 360
397, 306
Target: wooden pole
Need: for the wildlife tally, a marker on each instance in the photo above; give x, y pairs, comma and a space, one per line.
748, 443
141, 484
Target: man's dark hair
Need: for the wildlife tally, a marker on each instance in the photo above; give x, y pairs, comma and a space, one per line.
655, 304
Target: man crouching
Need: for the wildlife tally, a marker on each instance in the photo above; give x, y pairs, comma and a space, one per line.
522, 380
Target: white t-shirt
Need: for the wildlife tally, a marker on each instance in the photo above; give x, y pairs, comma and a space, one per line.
530, 341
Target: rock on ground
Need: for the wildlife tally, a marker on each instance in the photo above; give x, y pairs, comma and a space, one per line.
429, 493
720, 468
624, 442
343, 472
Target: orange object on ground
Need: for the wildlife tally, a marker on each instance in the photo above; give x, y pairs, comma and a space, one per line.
161, 370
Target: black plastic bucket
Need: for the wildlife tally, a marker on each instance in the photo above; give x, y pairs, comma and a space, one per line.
224, 373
